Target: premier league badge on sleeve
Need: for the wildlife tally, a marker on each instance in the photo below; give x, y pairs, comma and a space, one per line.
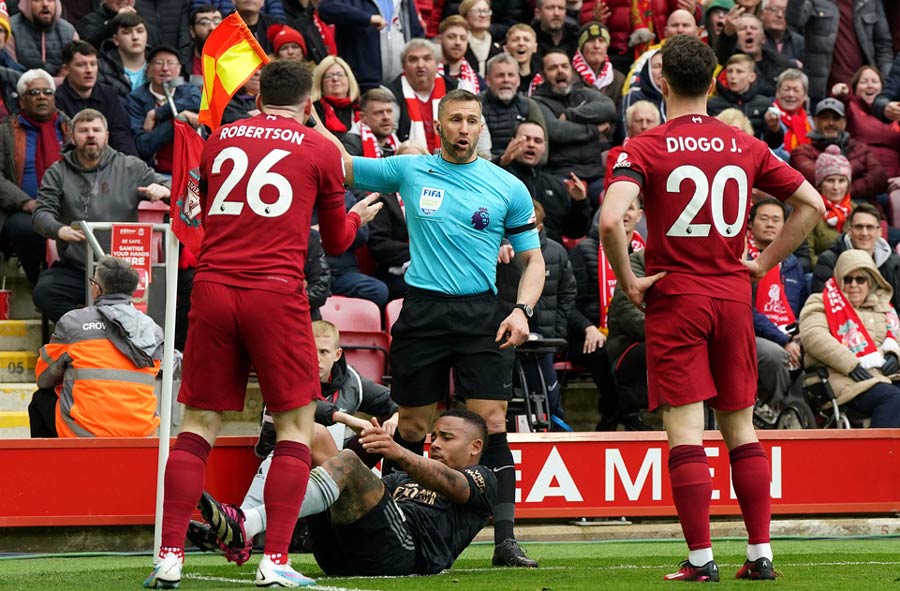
430, 200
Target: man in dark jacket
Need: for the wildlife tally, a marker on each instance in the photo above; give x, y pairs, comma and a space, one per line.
40, 33
863, 233
553, 32
741, 92
564, 203
749, 39
123, 58
580, 122
203, 21
96, 26
80, 90
504, 107
779, 38
369, 40
830, 124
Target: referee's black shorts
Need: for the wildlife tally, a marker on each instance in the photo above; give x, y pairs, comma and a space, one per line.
436, 332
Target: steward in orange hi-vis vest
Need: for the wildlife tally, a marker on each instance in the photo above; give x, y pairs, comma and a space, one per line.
103, 361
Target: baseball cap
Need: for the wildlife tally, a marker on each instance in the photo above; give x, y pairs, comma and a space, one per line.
725, 5
830, 104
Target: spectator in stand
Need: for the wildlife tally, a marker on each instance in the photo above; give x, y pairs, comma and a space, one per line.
744, 33
832, 179
504, 106
150, 113
552, 310
580, 123
287, 43
123, 58
565, 207
274, 8
639, 117
865, 127
373, 43
680, 22
862, 231
591, 62
787, 123
840, 38
830, 123
389, 236
335, 95
40, 33
303, 15
648, 88
481, 43
887, 104
741, 92
862, 361
316, 277
167, 21
521, 43
257, 21
454, 39
346, 278
80, 90
507, 14
553, 32
30, 142
779, 38
735, 118
373, 135
96, 26
243, 104
96, 375
419, 79
91, 182
203, 20
714, 15
777, 300
7, 49
588, 321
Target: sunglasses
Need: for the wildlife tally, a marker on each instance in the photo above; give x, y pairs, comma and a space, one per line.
858, 279
39, 91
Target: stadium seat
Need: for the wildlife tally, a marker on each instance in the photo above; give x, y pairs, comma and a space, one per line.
367, 352
352, 314
391, 313
154, 213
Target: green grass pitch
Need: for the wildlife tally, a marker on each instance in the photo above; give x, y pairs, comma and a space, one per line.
844, 564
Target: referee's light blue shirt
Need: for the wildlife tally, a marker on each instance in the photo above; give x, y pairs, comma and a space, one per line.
456, 214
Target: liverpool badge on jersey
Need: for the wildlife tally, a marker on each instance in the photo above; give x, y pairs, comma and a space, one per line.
430, 200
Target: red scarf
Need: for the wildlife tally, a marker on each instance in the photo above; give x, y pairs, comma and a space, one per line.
598, 81
836, 213
326, 32
417, 119
332, 122
771, 301
797, 127
47, 148
370, 146
846, 327
536, 81
607, 279
468, 79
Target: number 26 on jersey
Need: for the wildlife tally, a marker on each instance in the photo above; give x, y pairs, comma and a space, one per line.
259, 177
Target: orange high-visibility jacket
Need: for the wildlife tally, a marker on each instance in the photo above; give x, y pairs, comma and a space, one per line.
107, 387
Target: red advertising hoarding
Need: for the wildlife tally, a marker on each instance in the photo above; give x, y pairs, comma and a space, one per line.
133, 242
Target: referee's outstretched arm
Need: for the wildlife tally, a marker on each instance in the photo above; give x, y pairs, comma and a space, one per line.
347, 158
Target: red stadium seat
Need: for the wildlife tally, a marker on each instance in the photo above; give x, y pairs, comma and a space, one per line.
570, 243
352, 314
391, 313
150, 212
367, 352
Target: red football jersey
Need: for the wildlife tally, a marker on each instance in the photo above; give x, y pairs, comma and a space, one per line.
259, 180
696, 175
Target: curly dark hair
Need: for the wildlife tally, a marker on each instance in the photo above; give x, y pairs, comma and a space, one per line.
284, 83
688, 65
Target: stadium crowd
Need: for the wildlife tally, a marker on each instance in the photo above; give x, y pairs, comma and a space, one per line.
564, 85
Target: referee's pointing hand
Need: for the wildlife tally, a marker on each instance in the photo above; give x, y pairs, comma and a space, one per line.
515, 328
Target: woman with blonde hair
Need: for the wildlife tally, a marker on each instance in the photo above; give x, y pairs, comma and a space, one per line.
335, 95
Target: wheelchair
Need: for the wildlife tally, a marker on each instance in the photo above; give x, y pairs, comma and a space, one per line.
530, 409
820, 397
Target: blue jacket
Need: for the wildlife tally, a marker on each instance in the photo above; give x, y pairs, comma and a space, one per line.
795, 289
140, 102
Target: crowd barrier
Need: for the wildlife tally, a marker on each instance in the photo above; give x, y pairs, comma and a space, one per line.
88, 482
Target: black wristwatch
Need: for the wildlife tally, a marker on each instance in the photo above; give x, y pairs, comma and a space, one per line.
529, 311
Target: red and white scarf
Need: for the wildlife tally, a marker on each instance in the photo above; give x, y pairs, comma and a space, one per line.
797, 127
606, 278
370, 146
771, 300
536, 81
836, 213
598, 81
468, 79
326, 32
845, 326
417, 119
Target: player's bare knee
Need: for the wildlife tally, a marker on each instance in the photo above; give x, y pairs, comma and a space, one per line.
205, 423
344, 467
295, 425
492, 411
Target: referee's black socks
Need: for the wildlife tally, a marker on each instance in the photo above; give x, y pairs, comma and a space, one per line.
417, 447
498, 458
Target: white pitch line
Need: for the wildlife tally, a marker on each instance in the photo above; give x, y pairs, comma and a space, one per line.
248, 581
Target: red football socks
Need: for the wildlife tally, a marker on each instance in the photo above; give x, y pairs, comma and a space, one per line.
691, 491
185, 473
751, 475
284, 492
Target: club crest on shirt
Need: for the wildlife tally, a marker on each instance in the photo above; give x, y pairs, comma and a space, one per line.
430, 200
189, 203
481, 218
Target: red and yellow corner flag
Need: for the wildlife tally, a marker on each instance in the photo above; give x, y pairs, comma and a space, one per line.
231, 55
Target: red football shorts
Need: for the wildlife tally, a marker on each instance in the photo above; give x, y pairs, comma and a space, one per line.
700, 348
232, 329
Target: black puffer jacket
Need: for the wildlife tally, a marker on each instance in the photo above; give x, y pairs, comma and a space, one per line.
317, 274
562, 214
558, 297
389, 236
502, 119
625, 320
751, 103
350, 392
167, 22
111, 70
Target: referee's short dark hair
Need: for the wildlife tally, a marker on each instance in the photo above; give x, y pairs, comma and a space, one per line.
116, 275
457, 95
284, 83
473, 418
688, 65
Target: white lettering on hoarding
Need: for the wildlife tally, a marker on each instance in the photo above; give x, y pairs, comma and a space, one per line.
554, 470
615, 464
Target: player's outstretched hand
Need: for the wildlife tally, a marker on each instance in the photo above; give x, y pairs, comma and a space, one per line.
514, 329
366, 208
376, 440
636, 290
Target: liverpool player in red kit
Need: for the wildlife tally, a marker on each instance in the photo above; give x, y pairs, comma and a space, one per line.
696, 175
259, 181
